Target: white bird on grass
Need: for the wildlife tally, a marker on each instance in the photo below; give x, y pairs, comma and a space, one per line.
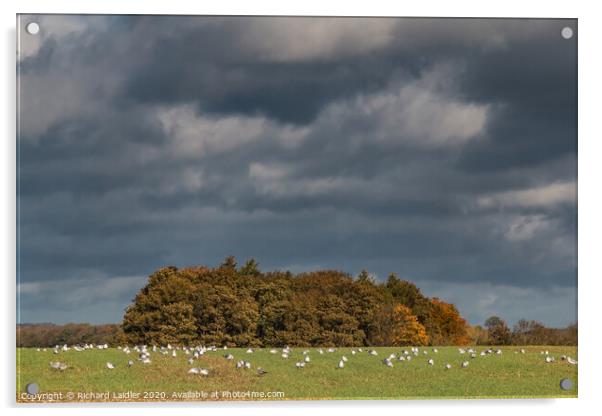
431, 362
372, 352
341, 364
465, 364
447, 366
57, 365
130, 363
110, 366
344, 358
200, 371
300, 364
387, 362
549, 359
571, 361
307, 359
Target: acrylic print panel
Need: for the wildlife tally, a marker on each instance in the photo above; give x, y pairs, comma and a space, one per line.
293, 208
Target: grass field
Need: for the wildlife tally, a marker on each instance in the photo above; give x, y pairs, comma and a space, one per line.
509, 374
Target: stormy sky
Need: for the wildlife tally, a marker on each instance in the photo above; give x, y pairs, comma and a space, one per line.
444, 150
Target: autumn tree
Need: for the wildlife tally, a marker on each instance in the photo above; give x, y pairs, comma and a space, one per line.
406, 330
444, 324
177, 325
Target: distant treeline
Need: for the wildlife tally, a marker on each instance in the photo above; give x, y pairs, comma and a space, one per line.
49, 335
497, 332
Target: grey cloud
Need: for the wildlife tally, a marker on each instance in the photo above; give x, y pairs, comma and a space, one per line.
441, 150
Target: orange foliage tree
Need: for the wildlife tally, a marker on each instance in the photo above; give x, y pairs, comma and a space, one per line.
445, 325
406, 328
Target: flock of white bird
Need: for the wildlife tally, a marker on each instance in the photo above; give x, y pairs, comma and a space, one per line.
194, 353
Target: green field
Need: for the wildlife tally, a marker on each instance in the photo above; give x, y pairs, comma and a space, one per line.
508, 374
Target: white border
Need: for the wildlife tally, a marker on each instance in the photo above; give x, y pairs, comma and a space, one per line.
590, 207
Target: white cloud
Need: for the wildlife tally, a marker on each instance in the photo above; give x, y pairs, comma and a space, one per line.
194, 135
274, 180
296, 39
541, 196
421, 112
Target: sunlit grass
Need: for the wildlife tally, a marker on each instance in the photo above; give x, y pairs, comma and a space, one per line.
509, 374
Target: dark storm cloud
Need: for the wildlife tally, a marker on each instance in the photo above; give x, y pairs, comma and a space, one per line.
536, 83
444, 150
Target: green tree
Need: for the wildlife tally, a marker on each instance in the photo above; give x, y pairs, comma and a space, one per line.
498, 332
251, 268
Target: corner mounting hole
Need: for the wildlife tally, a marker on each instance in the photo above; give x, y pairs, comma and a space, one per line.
32, 28
566, 32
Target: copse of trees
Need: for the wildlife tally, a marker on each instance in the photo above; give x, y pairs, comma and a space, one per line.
243, 306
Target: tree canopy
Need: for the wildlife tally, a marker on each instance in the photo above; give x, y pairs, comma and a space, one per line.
243, 306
